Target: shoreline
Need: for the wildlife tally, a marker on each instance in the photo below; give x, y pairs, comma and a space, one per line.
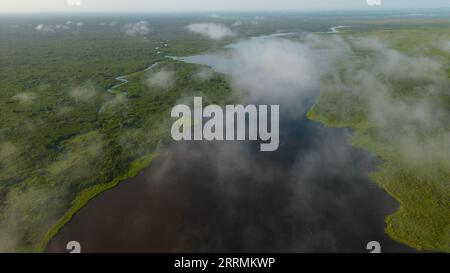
377, 177
83, 197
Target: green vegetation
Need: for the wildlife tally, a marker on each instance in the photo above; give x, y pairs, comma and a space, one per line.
63, 138
410, 132
85, 196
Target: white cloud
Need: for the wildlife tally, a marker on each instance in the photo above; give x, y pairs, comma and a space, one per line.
73, 3
57, 27
374, 2
162, 79
237, 23
140, 28
211, 30
51, 28
272, 69
24, 98
83, 93
204, 74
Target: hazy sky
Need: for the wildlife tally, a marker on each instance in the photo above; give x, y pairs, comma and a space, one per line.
209, 5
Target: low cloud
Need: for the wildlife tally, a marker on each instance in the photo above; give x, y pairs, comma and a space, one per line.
204, 74
163, 79
83, 93
140, 28
374, 2
58, 27
24, 213
25, 97
394, 93
51, 28
35, 200
119, 101
313, 194
237, 23
275, 69
212, 31
395, 65
398, 94
81, 154
74, 3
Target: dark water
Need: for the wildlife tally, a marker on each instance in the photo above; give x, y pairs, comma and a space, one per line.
312, 195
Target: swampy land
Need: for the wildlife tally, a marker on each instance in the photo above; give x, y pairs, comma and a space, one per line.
66, 143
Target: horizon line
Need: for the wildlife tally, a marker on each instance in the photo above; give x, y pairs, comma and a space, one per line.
367, 9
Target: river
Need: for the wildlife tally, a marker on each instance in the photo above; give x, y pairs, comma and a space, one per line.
312, 195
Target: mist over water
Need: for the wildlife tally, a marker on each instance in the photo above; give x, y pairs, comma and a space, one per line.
312, 195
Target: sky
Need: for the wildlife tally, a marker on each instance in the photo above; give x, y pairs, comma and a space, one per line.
210, 5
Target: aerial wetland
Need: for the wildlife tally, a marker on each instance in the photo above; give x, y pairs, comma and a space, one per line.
351, 144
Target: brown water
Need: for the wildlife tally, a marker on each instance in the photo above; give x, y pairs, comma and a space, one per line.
312, 195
